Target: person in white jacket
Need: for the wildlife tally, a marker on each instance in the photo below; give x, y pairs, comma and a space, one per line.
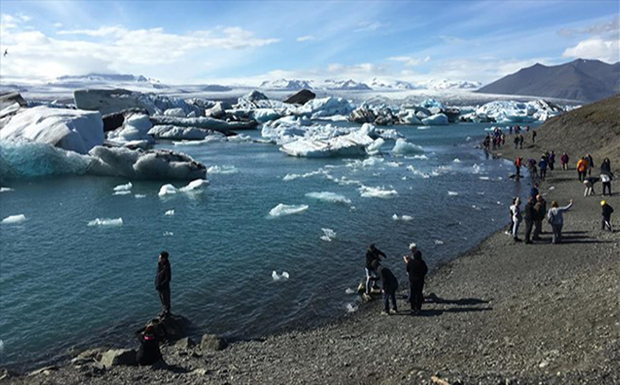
556, 220
515, 210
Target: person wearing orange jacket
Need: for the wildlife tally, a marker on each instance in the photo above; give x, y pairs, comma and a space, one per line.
582, 168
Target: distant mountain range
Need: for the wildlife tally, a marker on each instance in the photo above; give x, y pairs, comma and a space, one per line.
283, 84
375, 84
583, 80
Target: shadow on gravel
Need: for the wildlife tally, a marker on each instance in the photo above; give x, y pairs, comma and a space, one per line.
177, 369
433, 298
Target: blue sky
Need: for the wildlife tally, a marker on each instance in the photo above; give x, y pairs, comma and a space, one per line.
250, 41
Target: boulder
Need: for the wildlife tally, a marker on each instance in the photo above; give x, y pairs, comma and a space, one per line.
302, 97
73, 130
184, 344
46, 371
212, 342
116, 357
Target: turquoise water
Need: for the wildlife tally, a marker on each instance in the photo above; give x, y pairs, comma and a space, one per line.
66, 285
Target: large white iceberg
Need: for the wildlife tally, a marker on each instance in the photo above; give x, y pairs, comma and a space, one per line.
282, 209
439, 119
319, 108
135, 128
73, 130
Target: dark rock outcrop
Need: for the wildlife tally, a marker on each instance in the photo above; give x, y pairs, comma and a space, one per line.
212, 342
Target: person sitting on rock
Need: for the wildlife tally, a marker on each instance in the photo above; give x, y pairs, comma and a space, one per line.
389, 285
148, 352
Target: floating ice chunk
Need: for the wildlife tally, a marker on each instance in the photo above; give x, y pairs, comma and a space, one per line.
405, 218
418, 172
402, 147
14, 219
239, 138
169, 213
122, 192
195, 185
168, 233
350, 291
289, 177
476, 207
282, 209
351, 308
457, 160
5, 189
277, 277
376, 192
328, 235
167, 189
452, 193
229, 169
123, 187
485, 178
375, 147
438, 242
326, 196
476, 169
206, 140
106, 222
140, 196
420, 157
436, 120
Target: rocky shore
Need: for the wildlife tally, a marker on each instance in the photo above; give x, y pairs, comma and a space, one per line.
503, 313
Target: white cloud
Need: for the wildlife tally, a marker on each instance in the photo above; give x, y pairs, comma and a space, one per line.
305, 38
410, 61
116, 49
369, 26
602, 28
596, 48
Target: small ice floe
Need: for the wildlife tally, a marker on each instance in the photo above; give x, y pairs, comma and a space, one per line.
193, 187
351, 308
484, 178
122, 192
228, 169
289, 177
552, 188
403, 147
476, 207
168, 234
14, 219
476, 169
418, 157
452, 193
169, 213
106, 222
350, 291
330, 197
1, 347
278, 277
5, 189
282, 209
423, 127
139, 196
499, 203
418, 172
468, 139
438, 242
123, 187
328, 235
376, 192
456, 160
405, 218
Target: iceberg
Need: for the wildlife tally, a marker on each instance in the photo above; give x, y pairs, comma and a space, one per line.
169, 213
277, 277
203, 122
167, 189
176, 112
123, 187
5, 189
193, 186
139, 196
329, 197
282, 209
352, 144
227, 169
106, 222
31, 159
172, 132
328, 235
122, 193
403, 147
135, 128
319, 108
452, 193
72, 130
263, 115
376, 192
14, 219
405, 218
439, 119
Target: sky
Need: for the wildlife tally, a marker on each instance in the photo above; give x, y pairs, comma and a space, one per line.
246, 42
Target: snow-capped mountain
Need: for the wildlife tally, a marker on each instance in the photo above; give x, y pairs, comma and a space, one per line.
350, 85
385, 84
103, 78
447, 84
284, 84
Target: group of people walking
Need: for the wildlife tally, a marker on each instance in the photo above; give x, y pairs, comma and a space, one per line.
416, 271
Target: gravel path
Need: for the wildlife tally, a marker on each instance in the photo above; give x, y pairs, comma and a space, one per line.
503, 313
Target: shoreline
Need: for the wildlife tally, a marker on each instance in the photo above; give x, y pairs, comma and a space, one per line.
498, 314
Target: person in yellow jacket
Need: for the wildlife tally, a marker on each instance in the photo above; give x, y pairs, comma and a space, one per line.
582, 168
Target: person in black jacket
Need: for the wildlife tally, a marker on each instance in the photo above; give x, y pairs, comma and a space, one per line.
606, 210
389, 284
162, 282
148, 352
416, 270
372, 254
530, 216
540, 208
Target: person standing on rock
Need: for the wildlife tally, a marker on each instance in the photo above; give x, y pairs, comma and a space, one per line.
515, 210
530, 215
540, 209
606, 210
416, 270
564, 161
372, 254
162, 282
389, 285
556, 220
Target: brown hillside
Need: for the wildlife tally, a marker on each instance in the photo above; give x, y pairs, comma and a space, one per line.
594, 129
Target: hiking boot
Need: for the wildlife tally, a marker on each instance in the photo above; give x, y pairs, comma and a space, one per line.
517, 239
393, 311
384, 313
